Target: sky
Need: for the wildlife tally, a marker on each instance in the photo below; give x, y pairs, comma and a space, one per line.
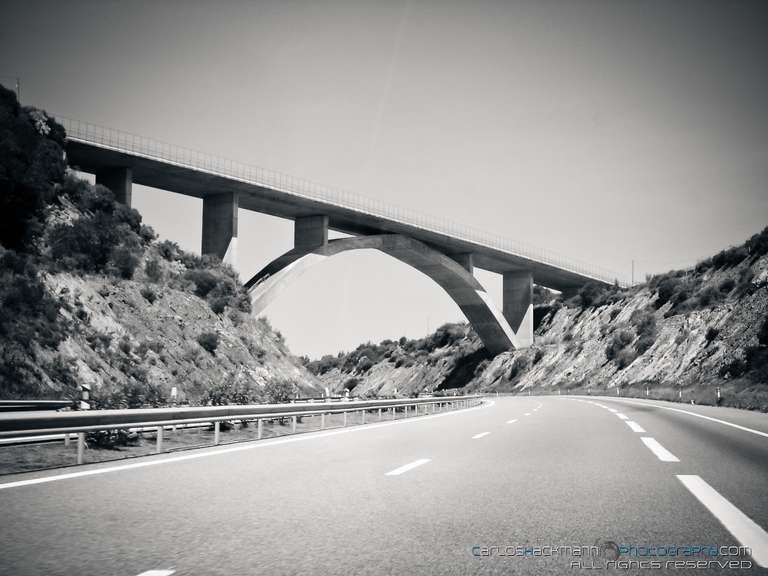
605, 131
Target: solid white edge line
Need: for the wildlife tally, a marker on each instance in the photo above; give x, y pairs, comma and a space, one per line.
612, 410
741, 526
512, 421
213, 451
661, 453
406, 467
635, 426
481, 435
157, 573
622, 416
723, 422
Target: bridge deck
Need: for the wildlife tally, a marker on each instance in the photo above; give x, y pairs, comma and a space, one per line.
91, 148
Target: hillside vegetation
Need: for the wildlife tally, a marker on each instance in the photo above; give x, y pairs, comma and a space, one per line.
679, 336
88, 295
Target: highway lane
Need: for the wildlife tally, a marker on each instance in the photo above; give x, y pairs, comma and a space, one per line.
425, 496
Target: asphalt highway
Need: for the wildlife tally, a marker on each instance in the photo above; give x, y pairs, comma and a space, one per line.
516, 486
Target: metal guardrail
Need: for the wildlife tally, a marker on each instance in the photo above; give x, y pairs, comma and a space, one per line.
149, 148
17, 405
80, 422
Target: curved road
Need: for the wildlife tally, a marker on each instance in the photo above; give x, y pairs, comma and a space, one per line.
505, 488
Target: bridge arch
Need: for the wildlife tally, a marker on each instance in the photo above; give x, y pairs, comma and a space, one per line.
475, 303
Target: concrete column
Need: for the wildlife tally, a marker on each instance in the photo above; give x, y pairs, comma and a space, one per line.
518, 305
466, 261
119, 180
220, 226
310, 231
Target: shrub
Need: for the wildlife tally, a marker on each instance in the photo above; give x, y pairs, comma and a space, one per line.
624, 358
757, 245
711, 334
538, 356
590, 294
279, 390
644, 343
204, 281
736, 368
231, 390
125, 345
209, 341
726, 285
730, 257
762, 334
153, 270
148, 294
620, 340
757, 363
745, 285
364, 364
168, 250
708, 296
667, 288
644, 322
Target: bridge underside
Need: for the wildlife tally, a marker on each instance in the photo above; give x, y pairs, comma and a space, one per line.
456, 279
119, 169
445, 257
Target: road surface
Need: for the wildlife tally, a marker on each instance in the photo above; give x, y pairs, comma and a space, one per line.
531, 476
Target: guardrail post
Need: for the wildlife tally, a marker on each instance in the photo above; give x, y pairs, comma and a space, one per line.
159, 446
293, 424
380, 409
345, 418
66, 440
393, 412
80, 446
322, 421
216, 430
362, 416
259, 428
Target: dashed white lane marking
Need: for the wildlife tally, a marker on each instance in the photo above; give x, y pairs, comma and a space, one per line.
229, 450
743, 528
527, 414
411, 466
661, 453
157, 573
512, 421
710, 418
622, 416
481, 435
634, 425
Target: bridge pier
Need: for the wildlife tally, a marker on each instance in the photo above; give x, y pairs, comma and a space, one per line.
310, 231
220, 226
119, 180
518, 305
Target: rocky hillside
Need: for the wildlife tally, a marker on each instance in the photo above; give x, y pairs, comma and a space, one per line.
88, 295
679, 336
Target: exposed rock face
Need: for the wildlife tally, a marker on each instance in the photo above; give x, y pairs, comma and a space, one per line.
118, 336
703, 343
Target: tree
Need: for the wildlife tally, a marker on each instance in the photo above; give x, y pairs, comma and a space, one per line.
31, 163
279, 391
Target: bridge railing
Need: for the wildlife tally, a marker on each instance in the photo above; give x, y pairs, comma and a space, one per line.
149, 148
45, 424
